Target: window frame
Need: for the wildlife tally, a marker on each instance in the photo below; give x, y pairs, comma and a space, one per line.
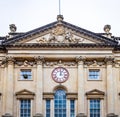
94, 69
27, 79
19, 110
100, 106
57, 101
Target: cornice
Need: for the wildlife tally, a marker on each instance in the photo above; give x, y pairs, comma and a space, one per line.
59, 45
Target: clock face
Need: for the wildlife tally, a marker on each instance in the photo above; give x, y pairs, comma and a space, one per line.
60, 74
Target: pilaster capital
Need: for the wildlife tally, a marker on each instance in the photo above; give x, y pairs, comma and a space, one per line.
80, 59
39, 60
109, 60
9, 60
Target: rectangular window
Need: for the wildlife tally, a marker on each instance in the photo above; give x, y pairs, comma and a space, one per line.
94, 74
94, 108
25, 74
25, 108
47, 108
72, 108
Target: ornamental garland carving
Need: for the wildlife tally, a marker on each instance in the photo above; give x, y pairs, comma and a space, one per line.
59, 63
25, 63
60, 35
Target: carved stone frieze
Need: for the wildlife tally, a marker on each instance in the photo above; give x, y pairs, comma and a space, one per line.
94, 63
60, 35
42, 40
25, 63
59, 63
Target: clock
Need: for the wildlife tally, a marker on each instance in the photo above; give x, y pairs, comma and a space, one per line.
60, 74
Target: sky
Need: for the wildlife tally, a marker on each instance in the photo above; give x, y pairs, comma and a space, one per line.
88, 14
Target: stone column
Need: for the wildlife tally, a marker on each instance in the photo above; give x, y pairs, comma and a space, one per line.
110, 87
9, 88
52, 108
81, 92
39, 87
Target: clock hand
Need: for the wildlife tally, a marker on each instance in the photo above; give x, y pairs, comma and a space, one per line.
60, 72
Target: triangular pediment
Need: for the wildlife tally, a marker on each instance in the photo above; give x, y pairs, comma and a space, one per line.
95, 94
59, 32
24, 92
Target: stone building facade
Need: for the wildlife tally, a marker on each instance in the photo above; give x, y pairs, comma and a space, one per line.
59, 70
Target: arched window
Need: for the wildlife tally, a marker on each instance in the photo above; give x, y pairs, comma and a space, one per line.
60, 103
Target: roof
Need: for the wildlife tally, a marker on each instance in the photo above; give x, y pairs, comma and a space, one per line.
96, 36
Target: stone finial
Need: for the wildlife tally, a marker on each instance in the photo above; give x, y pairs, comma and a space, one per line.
7, 115
81, 115
13, 28
60, 17
112, 115
107, 28
38, 115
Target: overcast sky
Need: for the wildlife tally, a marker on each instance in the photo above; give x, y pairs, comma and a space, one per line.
88, 14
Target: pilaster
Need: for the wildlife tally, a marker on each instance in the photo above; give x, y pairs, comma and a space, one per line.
81, 93
9, 87
39, 86
110, 85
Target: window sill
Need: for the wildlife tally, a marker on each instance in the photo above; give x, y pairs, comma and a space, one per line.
94, 80
25, 79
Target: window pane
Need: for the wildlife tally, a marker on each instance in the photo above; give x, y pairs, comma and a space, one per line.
25, 108
60, 103
25, 74
94, 108
72, 108
94, 74
47, 108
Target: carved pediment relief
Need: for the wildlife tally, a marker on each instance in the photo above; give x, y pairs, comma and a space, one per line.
25, 94
60, 34
95, 94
